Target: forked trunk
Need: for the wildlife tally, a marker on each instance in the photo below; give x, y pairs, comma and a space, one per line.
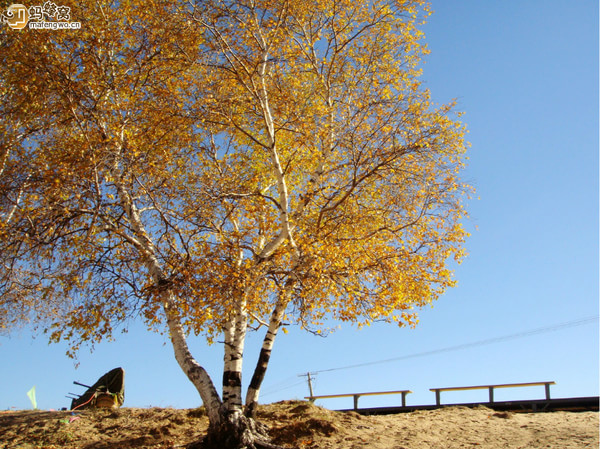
229, 428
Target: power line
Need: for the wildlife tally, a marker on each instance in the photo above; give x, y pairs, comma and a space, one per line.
541, 330
285, 384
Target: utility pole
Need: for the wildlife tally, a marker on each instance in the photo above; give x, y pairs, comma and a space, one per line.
310, 388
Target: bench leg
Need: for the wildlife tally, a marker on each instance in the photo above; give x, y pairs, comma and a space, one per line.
356, 396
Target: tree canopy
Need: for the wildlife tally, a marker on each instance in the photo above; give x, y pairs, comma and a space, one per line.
221, 165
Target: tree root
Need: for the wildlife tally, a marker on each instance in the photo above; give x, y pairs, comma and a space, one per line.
239, 433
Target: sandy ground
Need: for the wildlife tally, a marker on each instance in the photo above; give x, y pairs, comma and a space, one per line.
303, 425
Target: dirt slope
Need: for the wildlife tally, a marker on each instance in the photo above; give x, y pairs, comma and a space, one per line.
303, 425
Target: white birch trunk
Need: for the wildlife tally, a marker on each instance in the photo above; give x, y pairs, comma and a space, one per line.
193, 370
253, 392
284, 216
235, 336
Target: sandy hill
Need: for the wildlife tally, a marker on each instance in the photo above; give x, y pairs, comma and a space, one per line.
301, 425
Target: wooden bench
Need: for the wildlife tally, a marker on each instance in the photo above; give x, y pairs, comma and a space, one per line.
358, 395
491, 389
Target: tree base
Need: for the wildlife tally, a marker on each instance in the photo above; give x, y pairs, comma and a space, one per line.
238, 432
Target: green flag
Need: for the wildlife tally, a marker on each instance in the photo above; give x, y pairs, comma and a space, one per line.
31, 396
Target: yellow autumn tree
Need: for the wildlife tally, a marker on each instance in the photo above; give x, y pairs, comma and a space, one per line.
214, 166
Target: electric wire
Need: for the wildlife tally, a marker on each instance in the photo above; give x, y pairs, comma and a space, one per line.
292, 382
283, 385
541, 330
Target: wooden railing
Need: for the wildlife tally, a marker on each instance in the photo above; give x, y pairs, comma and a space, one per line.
437, 391
491, 388
358, 395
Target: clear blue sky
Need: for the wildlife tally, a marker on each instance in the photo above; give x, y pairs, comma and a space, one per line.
526, 74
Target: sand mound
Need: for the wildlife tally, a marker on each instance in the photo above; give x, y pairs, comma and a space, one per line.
303, 425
